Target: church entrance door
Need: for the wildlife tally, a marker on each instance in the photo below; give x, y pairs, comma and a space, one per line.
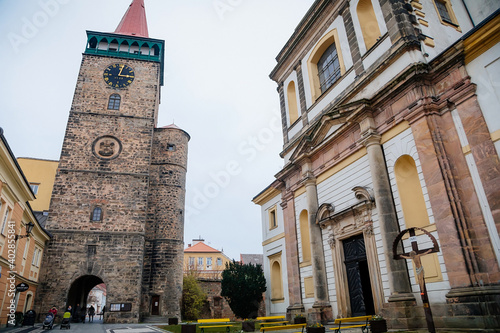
358, 276
155, 305
80, 289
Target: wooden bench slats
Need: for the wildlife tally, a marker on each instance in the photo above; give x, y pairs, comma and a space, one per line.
283, 327
271, 318
340, 321
206, 321
221, 322
273, 322
352, 326
351, 319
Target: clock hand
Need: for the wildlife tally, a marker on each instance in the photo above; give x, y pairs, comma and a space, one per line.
121, 68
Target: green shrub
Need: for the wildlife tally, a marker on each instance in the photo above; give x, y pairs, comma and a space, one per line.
193, 298
243, 285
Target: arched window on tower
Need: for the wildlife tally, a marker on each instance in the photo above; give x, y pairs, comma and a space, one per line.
114, 102
97, 214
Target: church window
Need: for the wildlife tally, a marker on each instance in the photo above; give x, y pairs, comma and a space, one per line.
114, 102
97, 214
328, 68
209, 263
368, 23
200, 263
446, 14
293, 113
273, 221
191, 263
325, 64
170, 147
219, 261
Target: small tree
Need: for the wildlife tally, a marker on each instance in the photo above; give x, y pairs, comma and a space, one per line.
243, 285
193, 298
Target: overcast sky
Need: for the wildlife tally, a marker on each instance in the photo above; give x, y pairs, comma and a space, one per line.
219, 54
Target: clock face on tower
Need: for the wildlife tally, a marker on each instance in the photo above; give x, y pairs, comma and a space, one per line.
118, 75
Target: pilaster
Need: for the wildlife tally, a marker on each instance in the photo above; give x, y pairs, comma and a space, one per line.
284, 125
353, 41
302, 95
291, 245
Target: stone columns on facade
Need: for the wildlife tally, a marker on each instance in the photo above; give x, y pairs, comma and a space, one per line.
396, 269
292, 257
321, 311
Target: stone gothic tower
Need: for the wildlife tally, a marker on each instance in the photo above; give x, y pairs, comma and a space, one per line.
117, 208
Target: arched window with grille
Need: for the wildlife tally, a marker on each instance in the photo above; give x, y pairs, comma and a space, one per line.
325, 65
97, 214
328, 68
114, 102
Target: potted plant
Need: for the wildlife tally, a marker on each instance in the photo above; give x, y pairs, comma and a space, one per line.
248, 325
378, 324
315, 328
299, 319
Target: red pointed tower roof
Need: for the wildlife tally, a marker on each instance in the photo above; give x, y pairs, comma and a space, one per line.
134, 21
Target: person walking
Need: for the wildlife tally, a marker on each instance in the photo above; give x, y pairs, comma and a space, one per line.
76, 314
91, 313
83, 313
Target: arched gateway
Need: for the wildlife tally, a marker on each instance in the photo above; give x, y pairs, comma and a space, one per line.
80, 289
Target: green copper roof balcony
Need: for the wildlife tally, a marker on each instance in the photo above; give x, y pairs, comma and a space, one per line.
129, 47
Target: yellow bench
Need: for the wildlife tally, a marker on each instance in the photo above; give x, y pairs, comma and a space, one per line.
283, 327
359, 319
214, 323
272, 320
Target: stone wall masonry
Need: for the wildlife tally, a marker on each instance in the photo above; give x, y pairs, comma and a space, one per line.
80, 153
122, 198
139, 99
117, 262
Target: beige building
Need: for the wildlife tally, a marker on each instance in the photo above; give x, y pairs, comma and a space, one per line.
204, 260
19, 231
40, 174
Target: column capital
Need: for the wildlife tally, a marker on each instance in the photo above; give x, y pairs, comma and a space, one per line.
370, 138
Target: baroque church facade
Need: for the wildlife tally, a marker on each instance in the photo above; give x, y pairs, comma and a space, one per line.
117, 209
389, 113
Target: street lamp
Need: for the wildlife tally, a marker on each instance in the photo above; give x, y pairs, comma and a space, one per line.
29, 229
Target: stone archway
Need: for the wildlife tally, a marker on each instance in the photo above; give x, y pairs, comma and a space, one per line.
80, 289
